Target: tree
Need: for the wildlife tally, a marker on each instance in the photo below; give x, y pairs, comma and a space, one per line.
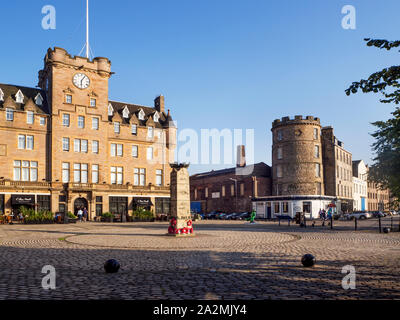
386, 167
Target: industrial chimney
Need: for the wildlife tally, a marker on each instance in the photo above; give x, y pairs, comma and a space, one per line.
241, 156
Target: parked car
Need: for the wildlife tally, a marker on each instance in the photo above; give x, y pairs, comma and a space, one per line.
360, 215
377, 214
243, 216
230, 216
220, 216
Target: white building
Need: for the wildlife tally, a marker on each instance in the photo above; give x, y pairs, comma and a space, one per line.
360, 195
273, 206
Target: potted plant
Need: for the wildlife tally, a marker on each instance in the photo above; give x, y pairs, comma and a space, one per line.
107, 217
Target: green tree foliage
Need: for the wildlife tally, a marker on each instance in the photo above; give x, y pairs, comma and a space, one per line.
386, 168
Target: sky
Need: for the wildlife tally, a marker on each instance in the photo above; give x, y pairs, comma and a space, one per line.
235, 64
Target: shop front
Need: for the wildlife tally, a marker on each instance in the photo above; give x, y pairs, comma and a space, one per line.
21, 200
142, 203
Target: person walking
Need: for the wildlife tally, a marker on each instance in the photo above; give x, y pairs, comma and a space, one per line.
80, 213
85, 214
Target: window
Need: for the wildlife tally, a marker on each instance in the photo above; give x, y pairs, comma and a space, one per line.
318, 188
44, 203
280, 135
39, 99
95, 123
42, 121
135, 151
95, 173
159, 178
84, 146
65, 172
317, 170
116, 150
25, 170
30, 117
279, 172
116, 127
110, 110
285, 207
80, 173
315, 133
21, 142
9, 114
25, 142
222, 191
316, 151
206, 192
66, 120
277, 208
19, 97
95, 146
307, 207
116, 175
280, 153
242, 189
134, 129
93, 102
1, 95
149, 153
119, 150
141, 114
150, 132
81, 122
68, 98
156, 117
139, 177
77, 145
232, 190
65, 144
125, 113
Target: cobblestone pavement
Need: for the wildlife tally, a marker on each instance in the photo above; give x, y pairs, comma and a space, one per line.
225, 260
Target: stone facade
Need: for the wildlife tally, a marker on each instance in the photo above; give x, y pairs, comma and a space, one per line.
378, 198
360, 194
297, 156
86, 146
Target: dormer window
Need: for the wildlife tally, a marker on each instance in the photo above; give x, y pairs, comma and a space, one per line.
1, 95
141, 114
93, 102
39, 99
156, 117
125, 112
110, 110
19, 97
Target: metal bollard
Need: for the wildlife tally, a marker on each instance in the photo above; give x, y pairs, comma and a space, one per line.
355, 224
380, 224
391, 223
331, 222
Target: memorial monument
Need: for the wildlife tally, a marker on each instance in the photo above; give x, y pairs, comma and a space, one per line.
181, 224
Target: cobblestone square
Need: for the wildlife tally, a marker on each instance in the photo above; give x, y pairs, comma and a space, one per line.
225, 260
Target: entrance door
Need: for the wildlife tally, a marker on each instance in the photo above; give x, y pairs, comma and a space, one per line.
80, 203
269, 212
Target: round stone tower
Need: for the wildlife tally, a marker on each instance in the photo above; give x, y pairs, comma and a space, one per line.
297, 156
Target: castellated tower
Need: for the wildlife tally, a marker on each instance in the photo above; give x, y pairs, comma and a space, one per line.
297, 156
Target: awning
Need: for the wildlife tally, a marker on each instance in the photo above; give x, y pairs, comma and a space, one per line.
145, 202
17, 199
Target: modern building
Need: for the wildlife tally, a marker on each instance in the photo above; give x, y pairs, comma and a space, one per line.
338, 167
360, 186
65, 144
230, 190
298, 180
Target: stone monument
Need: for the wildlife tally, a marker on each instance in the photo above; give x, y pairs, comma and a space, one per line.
181, 224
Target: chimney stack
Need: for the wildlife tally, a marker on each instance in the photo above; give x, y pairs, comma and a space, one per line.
159, 103
241, 156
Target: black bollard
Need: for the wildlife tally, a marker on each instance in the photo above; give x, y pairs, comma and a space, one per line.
331, 222
111, 266
380, 224
355, 224
305, 222
391, 223
308, 260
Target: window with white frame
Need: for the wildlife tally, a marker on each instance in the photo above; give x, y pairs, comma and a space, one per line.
95, 173
316, 151
116, 175
150, 132
150, 153
280, 153
95, 146
117, 127
156, 117
125, 113
315, 133
159, 177
65, 119
285, 207
84, 146
77, 145
141, 114
135, 151
110, 110
80, 173
95, 123
81, 122
19, 97
317, 170
29, 142
65, 172
277, 207
25, 142
25, 170
1, 95
9, 114
68, 98
65, 144
93, 102
30, 118
42, 121
134, 129
139, 177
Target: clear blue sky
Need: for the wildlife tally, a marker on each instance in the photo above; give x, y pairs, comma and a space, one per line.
221, 63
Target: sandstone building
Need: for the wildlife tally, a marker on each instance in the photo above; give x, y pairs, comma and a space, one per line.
66, 145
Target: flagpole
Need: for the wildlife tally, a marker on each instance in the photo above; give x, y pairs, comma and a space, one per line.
87, 29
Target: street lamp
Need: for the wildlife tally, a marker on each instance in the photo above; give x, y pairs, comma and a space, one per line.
235, 193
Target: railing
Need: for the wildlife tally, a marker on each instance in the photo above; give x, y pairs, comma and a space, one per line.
27, 184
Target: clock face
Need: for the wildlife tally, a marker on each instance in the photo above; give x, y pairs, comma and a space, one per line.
81, 80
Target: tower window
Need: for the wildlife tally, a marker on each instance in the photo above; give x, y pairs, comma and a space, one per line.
280, 135
68, 98
92, 102
280, 153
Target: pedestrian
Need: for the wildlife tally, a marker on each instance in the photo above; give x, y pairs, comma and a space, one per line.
80, 213
85, 214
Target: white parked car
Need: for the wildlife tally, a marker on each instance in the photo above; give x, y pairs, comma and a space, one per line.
359, 215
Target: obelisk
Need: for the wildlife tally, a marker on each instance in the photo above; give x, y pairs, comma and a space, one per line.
181, 219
